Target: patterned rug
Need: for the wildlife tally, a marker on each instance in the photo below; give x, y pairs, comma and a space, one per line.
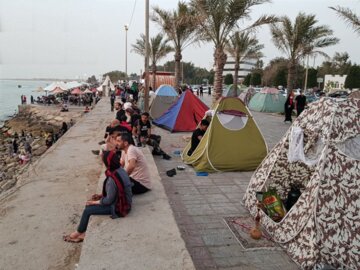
241, 226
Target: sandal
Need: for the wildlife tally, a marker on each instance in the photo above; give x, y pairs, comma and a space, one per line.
68, 238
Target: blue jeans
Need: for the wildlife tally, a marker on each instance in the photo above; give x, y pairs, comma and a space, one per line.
92, 210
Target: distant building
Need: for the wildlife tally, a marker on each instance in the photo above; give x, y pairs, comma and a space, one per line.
162, 77
246, 67
332, 82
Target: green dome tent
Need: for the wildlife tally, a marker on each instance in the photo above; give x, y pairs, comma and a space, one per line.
232, 141
230, 90
268, 100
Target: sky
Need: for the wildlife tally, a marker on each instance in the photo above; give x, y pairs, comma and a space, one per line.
75, 39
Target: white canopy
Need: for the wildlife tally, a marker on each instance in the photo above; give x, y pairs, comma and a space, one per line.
55, 85
108, 83
73, 84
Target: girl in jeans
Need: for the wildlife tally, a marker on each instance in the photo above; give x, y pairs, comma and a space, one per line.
115, 199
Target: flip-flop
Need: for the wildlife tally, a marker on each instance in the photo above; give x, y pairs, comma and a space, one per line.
68, 238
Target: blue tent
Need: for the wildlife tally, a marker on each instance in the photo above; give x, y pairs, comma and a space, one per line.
166, 90
165, 96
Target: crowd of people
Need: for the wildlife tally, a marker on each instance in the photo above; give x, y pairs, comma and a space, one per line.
14, 150
127, 172
19, 145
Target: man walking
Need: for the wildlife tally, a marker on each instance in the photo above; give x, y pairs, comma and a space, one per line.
300, 102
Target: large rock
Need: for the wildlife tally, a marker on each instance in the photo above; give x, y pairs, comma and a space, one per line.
40, 151
11, 165
59, 118
7, 184
35, 146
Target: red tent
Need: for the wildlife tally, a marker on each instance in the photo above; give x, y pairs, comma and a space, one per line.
184, 115
76, 91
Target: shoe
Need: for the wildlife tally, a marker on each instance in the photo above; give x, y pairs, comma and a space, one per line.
101, 143
171, 172
156, 152
95, 152
166, 156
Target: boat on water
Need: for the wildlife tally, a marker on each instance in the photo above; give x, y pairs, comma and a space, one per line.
19, 85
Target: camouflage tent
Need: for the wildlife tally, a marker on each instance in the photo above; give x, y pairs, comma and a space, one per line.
322, 227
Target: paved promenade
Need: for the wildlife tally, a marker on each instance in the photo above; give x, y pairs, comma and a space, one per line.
200, 204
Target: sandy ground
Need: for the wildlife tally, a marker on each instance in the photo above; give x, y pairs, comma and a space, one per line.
49, 198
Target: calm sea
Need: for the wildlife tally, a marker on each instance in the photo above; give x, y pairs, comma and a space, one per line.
10, 95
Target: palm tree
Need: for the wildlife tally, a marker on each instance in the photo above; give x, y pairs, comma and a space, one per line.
216, 19
179, 27
348, 16
243, 46
158, 47
301, 39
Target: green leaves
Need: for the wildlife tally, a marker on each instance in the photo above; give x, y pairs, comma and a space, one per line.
350, 17
302, 38
158, 47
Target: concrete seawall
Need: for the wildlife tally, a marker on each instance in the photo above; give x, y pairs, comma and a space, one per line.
49, 198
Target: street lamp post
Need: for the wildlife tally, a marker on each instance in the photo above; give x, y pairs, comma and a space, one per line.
306, 74
146, 103
126, 50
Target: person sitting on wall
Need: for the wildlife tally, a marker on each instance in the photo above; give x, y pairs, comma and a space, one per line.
197, 135
134, 163
115, 200
142, 132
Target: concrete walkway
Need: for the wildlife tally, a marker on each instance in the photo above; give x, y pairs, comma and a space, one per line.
201, 203
49, 198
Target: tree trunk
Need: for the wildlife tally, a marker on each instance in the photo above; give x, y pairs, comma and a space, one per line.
291, 75
236, 74
178, 58
153, 69
220, 61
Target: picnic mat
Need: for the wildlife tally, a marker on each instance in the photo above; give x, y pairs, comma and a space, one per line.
241, 226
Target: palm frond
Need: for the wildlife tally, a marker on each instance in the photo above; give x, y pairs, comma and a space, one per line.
301, 38
351, 18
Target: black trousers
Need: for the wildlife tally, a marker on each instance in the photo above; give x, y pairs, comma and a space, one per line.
138, 188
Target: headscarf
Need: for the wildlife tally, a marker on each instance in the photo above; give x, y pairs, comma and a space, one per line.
111, 160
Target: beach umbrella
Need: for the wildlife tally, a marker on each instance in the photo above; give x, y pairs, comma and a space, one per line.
76, 91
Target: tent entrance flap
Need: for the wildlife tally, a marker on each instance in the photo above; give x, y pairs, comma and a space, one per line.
233, 121
351, 147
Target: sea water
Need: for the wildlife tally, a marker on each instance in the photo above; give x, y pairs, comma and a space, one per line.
10, 95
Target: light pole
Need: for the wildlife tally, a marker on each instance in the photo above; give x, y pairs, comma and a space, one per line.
146, 103
306, 75
126, 30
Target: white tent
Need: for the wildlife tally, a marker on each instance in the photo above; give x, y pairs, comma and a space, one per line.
73, 84
107, 85
55, 85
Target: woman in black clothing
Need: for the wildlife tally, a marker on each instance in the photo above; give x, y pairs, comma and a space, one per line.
289, 106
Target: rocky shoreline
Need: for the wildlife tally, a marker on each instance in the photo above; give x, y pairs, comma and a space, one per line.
36, 122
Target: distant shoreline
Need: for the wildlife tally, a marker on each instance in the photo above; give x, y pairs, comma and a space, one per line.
41, 79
